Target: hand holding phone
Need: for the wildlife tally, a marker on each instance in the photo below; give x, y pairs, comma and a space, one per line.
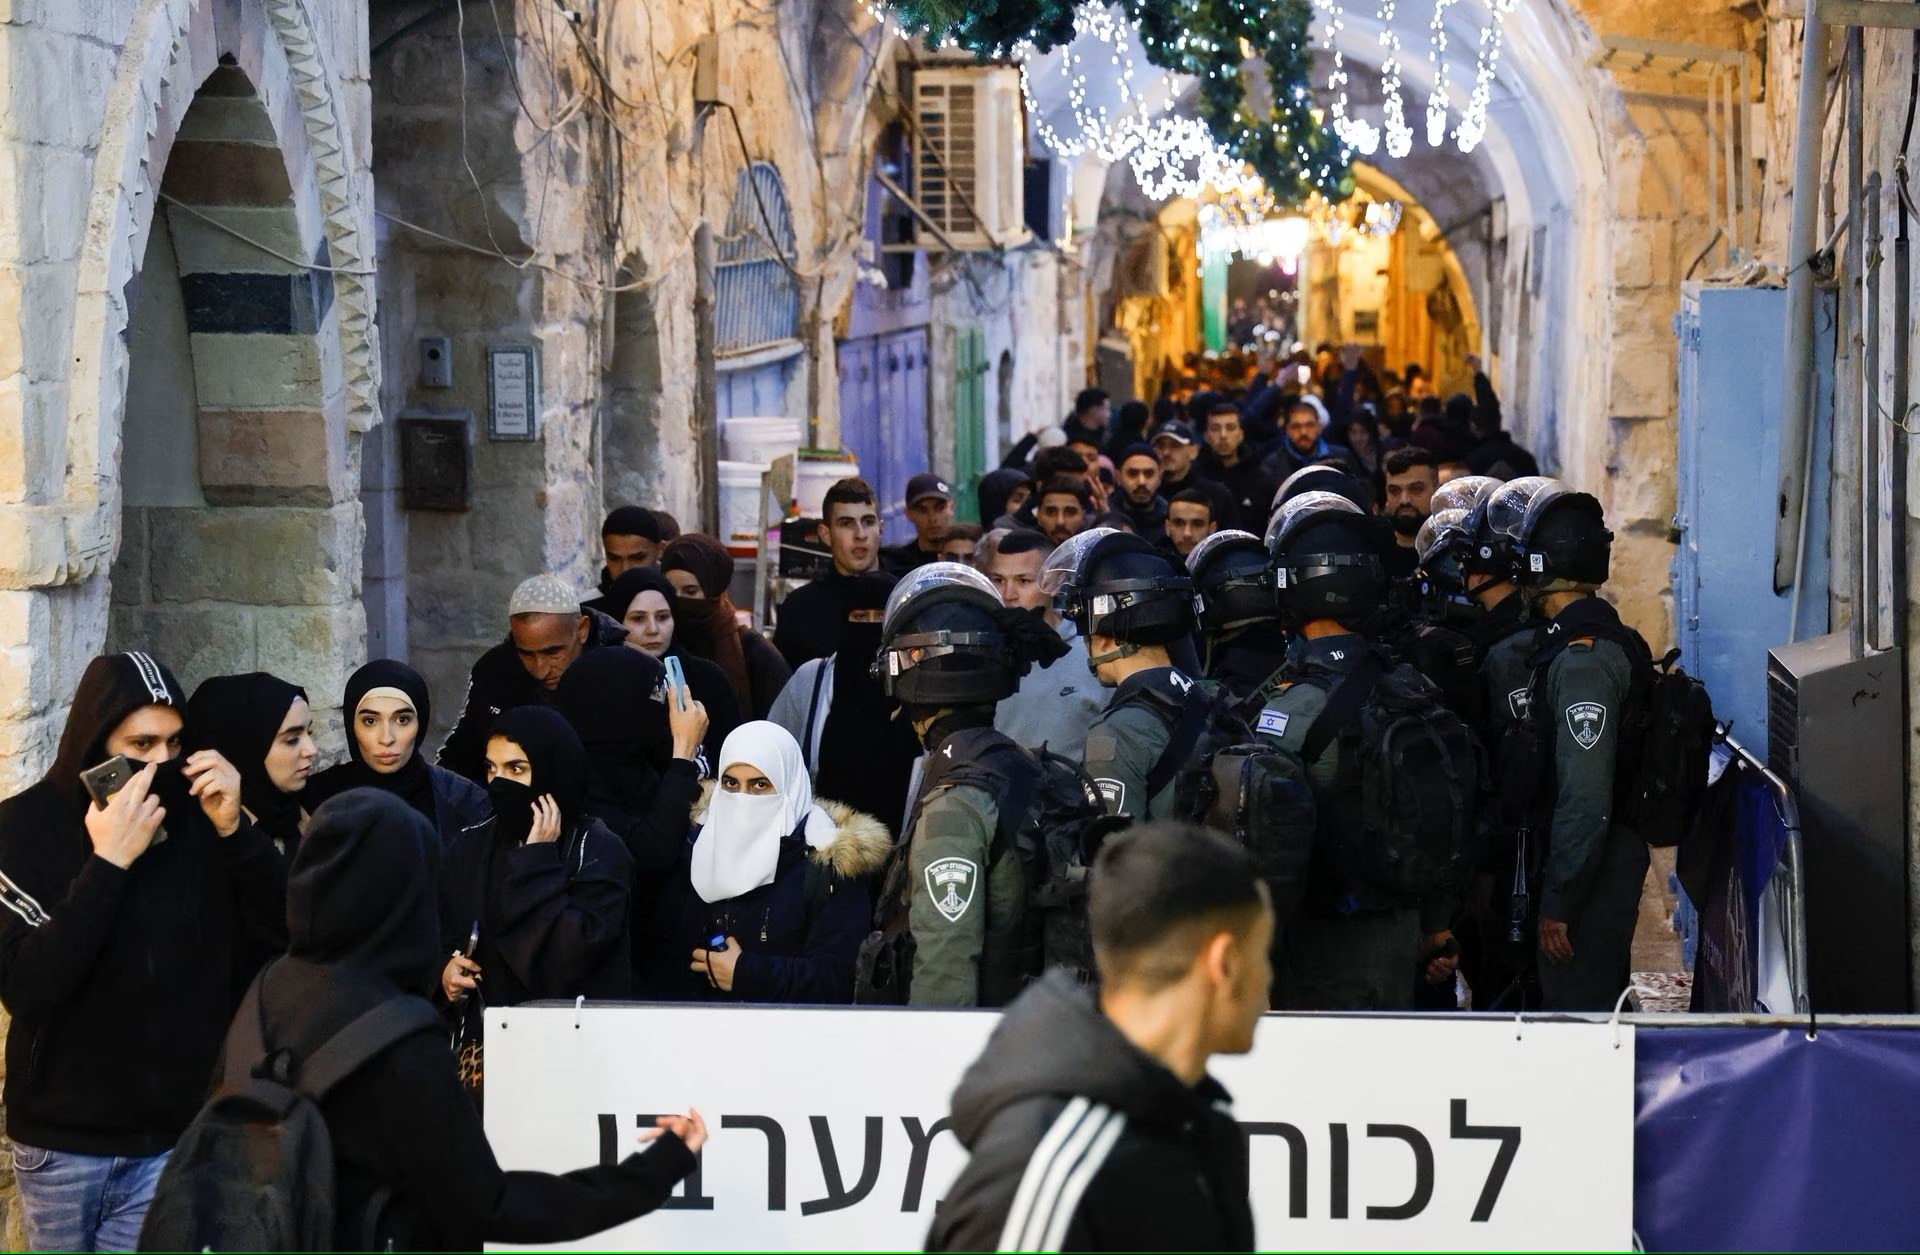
125, 824
676, 683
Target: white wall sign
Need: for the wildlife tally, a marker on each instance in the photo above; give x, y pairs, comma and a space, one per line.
513, 392
828, 1131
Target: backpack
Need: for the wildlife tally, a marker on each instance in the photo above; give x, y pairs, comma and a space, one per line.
1666, 731
255, 1169
1226, 778
1050, 815
1415, 767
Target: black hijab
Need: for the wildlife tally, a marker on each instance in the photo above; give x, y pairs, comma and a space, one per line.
610, 697
413, 783
641, 579
996, 488
559, 763
240, 716
362, 921
866, 755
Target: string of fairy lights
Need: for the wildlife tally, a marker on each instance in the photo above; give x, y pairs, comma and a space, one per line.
1283, 159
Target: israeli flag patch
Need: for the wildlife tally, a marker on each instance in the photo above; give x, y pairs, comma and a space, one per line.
1271, 723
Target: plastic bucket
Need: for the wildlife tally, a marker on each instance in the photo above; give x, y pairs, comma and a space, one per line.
759, 440
740, 493
812, 478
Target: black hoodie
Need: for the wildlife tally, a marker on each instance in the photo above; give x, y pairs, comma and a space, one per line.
363, 928
1079, 1141
120, 981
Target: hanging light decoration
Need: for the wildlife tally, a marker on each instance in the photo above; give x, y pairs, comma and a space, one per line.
1239, 224
1363, 137
1473, 124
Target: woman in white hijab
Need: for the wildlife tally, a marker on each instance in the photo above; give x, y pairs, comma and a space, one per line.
772, 901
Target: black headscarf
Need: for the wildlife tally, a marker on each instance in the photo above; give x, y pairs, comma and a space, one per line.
240, 716
413, 783
640, 579
866, 755
609, 698
559, 763
996, 488
362, 921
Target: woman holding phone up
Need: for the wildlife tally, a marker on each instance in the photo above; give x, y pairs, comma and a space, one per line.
770, 902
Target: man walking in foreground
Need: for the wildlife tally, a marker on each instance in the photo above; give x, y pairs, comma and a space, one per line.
1091, 1120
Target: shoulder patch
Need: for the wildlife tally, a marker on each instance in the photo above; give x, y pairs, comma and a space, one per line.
1272, 723
1113, 793
1519, 701
950, 886
1586, 721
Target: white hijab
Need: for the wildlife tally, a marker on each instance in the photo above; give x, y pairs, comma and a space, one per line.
738, 848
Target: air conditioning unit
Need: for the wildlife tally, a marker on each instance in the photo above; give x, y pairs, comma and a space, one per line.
969, 155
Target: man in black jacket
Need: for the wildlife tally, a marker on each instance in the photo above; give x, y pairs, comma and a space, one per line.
117, 952
547, 630
1091, 1122
807, 624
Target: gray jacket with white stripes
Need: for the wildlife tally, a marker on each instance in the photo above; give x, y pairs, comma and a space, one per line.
1080, 1141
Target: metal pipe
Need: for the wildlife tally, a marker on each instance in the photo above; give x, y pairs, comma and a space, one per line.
706, 378
1847, 372
1873, 502
1735, 110
1797, 352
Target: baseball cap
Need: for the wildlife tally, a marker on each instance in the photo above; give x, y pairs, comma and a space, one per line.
1175, 430
543, 594
927, 484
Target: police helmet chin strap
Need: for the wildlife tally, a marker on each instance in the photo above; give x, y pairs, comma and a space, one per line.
1095, 661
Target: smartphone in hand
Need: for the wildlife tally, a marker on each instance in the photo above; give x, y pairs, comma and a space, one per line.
676, 682
108, 778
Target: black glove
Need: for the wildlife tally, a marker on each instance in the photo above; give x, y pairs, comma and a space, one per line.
1030, 639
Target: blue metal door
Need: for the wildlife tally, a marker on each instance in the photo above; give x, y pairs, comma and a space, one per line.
883, 417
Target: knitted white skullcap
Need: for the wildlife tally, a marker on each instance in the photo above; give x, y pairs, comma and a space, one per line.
543, 594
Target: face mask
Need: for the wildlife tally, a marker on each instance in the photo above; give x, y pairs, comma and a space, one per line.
512, 809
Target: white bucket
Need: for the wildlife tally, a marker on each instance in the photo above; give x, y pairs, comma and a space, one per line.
812, 478
740, 493
759, 439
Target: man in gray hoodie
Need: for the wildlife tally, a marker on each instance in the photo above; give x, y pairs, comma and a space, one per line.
1055, 704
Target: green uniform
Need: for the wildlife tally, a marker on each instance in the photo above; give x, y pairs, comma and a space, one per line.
1491, 963
1595, 867
1126, 742
1353, 946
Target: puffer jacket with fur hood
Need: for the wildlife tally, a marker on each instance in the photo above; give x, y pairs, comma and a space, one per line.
798, 936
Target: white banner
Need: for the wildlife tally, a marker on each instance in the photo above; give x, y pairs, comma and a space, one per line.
827, 1132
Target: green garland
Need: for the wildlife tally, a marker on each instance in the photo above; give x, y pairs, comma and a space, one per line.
1295, 155
988, 28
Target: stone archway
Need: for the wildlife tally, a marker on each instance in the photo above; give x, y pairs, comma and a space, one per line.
61, 528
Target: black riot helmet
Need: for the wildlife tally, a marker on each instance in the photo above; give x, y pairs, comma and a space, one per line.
1463, 493
1232, 584
1114, 583
1442, 545
942, 643
1322, 478
1326, 561
1563, 543
1496, 528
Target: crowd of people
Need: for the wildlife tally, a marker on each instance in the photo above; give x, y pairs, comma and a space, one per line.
896, 798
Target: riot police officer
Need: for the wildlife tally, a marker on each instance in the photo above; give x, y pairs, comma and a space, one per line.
1354, 944
1239, 616
1583, 684
951, 650
1131, 605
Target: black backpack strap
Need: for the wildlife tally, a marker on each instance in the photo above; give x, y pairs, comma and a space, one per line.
813, 712
1344, 701
246, 1037
1188, 726
355, 1045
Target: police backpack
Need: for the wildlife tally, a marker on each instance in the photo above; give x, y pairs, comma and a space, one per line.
255, 1169
1666, 731
1050, 816
1415, 767
1227, 779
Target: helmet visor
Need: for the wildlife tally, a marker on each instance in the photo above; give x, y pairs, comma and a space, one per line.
1297, 513
1062, 568
1208, 549
1507, 507
947, 576
1464, 493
